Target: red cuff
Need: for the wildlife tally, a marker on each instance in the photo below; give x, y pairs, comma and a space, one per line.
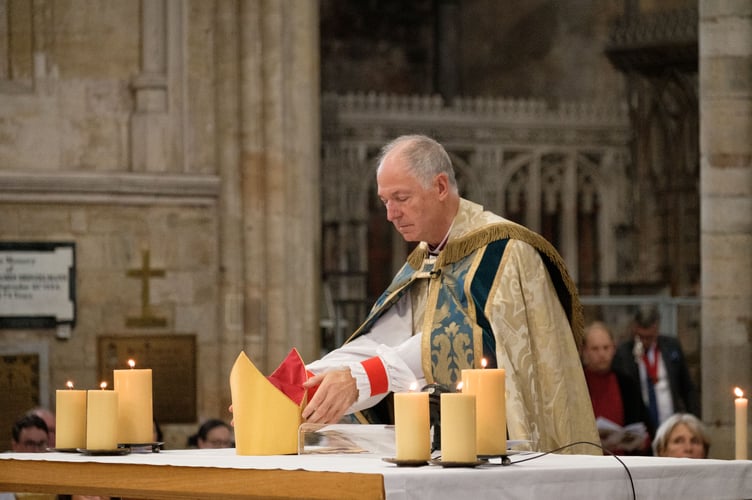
376, 375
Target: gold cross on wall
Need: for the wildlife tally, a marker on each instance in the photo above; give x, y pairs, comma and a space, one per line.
147, 319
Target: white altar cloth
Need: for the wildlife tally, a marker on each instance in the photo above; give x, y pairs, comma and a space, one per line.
551, 476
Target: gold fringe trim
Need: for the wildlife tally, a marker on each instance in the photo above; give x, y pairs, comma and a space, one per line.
462, 247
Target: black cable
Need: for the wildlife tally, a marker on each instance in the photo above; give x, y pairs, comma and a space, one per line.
543, 454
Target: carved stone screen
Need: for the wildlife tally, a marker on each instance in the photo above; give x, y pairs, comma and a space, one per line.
172, 359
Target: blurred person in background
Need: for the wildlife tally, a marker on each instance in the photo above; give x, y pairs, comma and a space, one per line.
49, 419
214, 433
658, 364
29, 435
614, 397
682, 435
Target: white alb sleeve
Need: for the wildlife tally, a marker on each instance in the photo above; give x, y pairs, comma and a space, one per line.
390, 340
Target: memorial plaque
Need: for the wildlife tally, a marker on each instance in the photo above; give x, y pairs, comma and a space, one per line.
172, 359
37, 284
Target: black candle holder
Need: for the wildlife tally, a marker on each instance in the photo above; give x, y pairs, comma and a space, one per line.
434, 405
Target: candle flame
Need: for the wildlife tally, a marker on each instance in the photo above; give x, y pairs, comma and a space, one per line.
739, 393
459, 387
103, 385
483, 363
413, 387
69, 384
131, 363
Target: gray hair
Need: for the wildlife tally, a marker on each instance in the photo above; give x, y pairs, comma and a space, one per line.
647, 315
660, 442
426, 158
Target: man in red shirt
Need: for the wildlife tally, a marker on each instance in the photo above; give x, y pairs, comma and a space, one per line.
614, 397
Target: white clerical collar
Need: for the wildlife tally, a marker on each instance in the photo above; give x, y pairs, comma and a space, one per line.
435, 251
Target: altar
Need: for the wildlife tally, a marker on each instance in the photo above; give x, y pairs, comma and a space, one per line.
223, 474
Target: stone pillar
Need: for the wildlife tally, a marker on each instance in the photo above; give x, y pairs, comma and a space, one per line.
446, 34
569, 204
253, 179
279, 125
231, 301
149, 123
725, 54
533, 213
40, 46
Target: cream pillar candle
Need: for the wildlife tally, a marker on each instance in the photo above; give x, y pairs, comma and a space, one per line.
740, 407
70, 419
412, 426
488, 386
101, 419
136, 422
458, 428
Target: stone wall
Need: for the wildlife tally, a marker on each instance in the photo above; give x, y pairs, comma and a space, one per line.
543, 49
109, 240
185, 127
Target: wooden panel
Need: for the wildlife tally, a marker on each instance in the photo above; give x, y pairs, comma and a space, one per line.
167, 482
19, 386
172, 359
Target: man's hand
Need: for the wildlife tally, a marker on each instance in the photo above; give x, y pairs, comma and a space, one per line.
336, 393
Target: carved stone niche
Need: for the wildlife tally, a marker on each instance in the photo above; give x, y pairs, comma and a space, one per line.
653, 43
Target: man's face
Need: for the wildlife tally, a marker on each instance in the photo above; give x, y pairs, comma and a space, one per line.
647, 334
31, 439
598, 351
413, 209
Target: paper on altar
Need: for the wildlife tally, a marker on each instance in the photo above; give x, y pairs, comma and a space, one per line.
267, 411
346, 438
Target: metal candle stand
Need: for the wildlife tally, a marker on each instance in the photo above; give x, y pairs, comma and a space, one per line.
434, 405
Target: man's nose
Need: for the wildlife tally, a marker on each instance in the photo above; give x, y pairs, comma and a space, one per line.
391, 212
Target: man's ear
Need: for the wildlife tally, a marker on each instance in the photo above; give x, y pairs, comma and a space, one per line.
442, 185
